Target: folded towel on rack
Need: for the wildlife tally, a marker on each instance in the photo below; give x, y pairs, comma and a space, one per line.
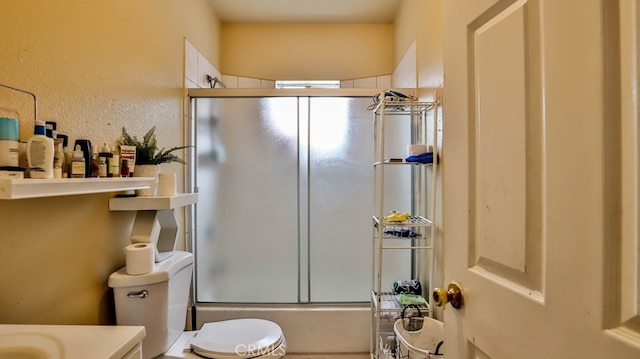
389, 309
397, 217
406, 299
421, 158
406, 287
402, 233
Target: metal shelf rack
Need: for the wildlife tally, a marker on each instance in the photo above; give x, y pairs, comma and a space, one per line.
415, 234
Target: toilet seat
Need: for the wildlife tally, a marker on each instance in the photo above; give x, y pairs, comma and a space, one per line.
238, 339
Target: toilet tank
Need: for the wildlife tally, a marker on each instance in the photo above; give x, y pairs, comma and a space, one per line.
157, 300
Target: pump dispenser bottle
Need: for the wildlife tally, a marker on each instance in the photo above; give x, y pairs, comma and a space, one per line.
40, 153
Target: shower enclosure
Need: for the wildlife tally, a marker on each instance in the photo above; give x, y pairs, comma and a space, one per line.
284, 215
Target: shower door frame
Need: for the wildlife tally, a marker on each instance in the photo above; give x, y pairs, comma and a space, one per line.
190, 138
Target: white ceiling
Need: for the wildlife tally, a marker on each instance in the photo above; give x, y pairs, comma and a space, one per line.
306, 11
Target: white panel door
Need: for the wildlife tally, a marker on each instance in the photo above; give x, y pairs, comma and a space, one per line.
541, 178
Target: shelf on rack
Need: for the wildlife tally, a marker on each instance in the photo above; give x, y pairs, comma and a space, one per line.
388, 345
405, 163
403, 107
38, 188
145, 203
389, 308
413, 221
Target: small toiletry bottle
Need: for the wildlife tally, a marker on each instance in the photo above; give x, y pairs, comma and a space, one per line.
116, 166
78, 163
124, 171
85, 146
40, 153
94, 161
108, 156
116, 161
68, 155
58, 158
48, 128
54, 128
102, 167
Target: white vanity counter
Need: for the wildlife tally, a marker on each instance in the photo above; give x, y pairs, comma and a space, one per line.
70, 341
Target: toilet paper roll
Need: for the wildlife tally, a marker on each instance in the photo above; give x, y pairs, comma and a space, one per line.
414, 150
167, 184
140, 258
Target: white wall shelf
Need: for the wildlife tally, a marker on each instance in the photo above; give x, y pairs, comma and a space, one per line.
155, 219
147, 203
38, 188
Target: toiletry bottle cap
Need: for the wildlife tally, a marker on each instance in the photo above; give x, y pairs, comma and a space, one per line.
78, 152
39, 129
65, 139
54, 125
106, 148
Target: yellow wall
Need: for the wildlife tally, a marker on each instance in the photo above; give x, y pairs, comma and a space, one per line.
95, 67
307, 51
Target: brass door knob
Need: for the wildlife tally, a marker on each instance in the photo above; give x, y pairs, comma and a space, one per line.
452, 295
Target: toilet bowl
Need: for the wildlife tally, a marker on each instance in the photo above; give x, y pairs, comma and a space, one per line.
158, 301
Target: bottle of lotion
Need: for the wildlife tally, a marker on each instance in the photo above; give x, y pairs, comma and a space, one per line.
40, 152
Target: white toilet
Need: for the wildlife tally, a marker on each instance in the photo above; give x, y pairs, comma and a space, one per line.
158, 301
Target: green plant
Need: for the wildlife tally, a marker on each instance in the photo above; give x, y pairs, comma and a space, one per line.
147, 152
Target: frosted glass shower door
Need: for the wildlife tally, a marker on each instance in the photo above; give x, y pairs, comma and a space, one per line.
285, 200
246, 218
340, 199
340, 182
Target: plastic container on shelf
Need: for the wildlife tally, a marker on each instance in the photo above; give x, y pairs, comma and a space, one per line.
9, 146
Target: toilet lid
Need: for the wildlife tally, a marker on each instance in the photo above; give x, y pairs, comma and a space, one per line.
237, 338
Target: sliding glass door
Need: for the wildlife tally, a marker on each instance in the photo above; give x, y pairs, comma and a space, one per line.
285, 191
